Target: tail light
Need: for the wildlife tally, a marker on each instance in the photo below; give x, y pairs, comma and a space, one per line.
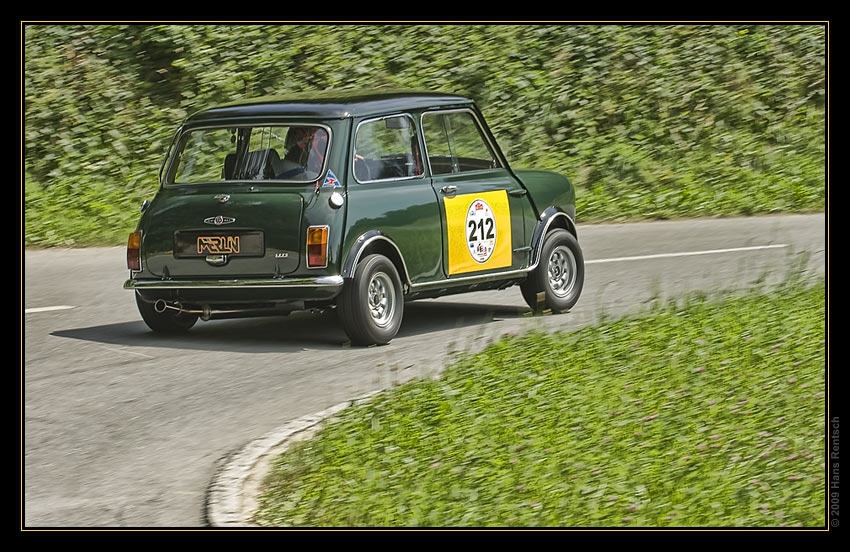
317, 247
134, 251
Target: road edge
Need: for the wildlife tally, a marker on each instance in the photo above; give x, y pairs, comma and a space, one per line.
232, 496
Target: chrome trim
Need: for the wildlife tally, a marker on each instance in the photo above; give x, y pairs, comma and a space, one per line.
307, 245
167, 160
320, 281
218, 220
303, 282
489, 143
183, 132
418, 143
336, 200
539, 249
365, 244
216, 260
471, 279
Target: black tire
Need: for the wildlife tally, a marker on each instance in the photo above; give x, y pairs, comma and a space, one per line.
170, 321
557, 281
371, 305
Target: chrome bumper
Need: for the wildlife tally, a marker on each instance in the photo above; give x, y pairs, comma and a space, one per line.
273, 283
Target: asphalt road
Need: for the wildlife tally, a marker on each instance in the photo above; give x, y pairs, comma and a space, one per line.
124, 428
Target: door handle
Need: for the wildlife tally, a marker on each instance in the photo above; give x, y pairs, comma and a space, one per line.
448, 189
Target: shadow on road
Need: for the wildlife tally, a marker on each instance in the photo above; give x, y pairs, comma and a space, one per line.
296, 332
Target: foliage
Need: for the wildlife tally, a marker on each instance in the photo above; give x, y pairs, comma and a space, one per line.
702, 413
647, 120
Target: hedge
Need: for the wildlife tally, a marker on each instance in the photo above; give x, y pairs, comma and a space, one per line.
648, 121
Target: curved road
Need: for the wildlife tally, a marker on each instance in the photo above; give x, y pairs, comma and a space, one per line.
124, 428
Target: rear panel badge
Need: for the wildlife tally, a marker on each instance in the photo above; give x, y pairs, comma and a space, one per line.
218, 220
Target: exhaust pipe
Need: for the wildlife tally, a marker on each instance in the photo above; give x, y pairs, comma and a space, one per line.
206, 313
160, 306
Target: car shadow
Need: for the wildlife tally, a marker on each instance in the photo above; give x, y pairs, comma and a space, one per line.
293, 333
422, 317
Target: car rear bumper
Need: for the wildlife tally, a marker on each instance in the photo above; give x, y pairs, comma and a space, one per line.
319, 288
274, 283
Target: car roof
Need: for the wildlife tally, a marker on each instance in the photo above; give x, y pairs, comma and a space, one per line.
333, 104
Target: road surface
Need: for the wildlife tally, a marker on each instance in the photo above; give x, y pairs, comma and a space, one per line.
125, 428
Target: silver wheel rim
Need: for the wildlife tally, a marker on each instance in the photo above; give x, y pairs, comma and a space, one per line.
562, 271
381, 298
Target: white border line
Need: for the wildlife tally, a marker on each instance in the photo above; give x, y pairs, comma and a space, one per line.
48, 309
687, 254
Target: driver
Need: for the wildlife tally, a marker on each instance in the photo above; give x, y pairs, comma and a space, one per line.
305, 152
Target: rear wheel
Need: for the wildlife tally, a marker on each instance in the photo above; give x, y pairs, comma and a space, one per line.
557, 282
168, 321
371, 305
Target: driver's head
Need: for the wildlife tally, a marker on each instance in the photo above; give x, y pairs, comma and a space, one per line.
298, 139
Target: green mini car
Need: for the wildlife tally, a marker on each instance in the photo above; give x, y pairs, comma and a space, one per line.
352, 201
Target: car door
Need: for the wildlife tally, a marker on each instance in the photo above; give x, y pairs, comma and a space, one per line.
389, 194
482, 205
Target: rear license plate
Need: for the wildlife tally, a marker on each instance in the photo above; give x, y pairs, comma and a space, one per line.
200, 243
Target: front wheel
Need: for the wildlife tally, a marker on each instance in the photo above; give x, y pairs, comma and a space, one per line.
371, 305
557, 281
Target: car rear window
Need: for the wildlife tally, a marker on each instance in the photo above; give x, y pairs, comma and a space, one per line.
292, 153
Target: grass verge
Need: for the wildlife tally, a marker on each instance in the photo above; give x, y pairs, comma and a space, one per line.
701, 413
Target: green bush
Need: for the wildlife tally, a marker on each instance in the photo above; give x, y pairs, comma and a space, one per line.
648, 121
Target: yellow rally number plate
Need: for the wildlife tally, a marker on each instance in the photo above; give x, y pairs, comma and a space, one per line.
479, 231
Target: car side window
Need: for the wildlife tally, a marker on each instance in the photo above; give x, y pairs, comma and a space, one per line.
455, 143
387, 149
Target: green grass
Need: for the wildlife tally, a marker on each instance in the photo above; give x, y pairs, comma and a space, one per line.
701, 413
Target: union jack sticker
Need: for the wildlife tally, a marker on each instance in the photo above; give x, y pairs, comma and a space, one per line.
331, 181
